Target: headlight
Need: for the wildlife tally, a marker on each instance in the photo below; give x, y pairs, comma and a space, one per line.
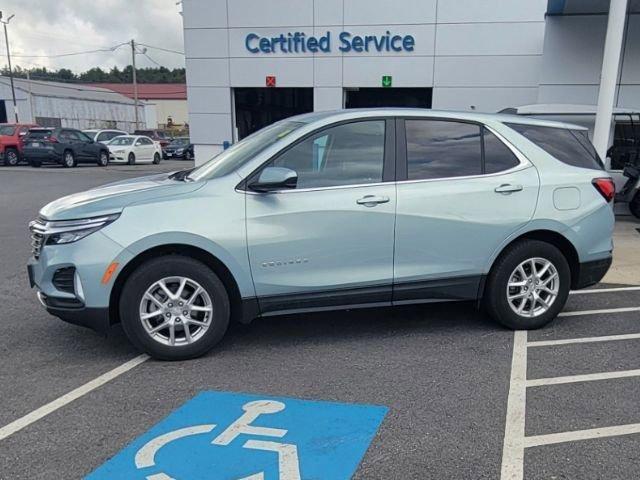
179, 151
69, 231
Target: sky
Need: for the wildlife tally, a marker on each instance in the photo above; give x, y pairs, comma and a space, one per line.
50, 27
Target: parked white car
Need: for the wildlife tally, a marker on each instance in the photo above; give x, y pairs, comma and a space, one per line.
134, 149
103, 136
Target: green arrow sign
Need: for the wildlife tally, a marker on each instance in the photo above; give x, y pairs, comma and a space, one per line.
386, 80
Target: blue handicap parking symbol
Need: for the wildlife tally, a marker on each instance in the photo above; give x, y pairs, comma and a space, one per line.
229, 436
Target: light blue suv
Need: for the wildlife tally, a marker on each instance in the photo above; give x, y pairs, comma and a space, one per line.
334, 210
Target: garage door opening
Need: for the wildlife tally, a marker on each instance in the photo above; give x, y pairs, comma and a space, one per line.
256, 108
388, 97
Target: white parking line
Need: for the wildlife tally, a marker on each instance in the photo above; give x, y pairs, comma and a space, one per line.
513, 448
589, 377
570, 341
603, 290
599, 312
67, 398
538, 440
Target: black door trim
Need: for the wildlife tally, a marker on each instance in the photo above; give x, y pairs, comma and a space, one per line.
421, 291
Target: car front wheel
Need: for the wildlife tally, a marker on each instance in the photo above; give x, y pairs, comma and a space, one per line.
174, 308
528, 285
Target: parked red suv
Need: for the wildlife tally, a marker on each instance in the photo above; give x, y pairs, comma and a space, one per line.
11, 136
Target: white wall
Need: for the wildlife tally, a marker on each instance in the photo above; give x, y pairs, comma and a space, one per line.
480, 55
572, 61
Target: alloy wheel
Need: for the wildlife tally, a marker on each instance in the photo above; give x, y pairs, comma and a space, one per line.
12, 158
176, 311
533, 287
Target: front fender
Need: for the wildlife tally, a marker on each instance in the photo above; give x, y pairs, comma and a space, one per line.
239, 272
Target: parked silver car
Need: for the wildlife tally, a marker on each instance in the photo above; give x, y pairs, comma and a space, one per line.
334, 210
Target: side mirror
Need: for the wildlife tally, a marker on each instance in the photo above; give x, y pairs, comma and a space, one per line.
274, 178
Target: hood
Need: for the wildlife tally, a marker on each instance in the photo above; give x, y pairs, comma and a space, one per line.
114, 197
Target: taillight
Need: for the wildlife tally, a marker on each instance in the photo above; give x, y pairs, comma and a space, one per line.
606, 187
53, 139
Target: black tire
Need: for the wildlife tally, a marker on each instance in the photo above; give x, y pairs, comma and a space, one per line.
634, 205
188, 156
156, 158
69, 159
131, 160
35, 163
495, 295
149, 273
103, 158
11, 157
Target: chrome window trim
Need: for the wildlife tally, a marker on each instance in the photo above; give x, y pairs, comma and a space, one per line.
317, 189
523, 164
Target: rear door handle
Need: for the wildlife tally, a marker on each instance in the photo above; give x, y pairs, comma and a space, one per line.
372, 200
507, 188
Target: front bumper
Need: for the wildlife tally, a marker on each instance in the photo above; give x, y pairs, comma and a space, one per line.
88, 304
76, 313
590, 273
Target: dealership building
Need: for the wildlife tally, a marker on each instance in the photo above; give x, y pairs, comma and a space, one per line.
250, 63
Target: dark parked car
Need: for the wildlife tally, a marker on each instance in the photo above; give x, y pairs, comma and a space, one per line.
65, 146
179, 147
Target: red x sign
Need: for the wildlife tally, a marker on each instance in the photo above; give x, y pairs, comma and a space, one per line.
271, 81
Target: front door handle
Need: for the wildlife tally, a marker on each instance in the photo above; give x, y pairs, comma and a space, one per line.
372, 200
507, 188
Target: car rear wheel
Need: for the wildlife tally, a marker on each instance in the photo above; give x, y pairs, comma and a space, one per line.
634, 205
11, 157
528, 285
68, 159
156, 158
174, 308
132, 159
103, 159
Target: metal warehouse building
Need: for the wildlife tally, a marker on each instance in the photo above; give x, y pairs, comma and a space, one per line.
252, 62
54, 104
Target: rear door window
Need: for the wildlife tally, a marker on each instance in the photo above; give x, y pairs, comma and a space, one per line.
568, 146
442, 149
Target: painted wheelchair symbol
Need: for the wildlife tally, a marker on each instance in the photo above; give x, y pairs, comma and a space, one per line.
289, 467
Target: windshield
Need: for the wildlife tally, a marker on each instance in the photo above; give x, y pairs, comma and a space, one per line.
7, 130
121, 141
180, 141
240, 153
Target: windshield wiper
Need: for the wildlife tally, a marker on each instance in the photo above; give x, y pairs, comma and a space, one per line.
182, 175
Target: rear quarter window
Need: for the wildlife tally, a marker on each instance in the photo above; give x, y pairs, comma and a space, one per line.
571, 147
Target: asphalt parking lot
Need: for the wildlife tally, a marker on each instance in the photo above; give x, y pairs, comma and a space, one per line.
466, 398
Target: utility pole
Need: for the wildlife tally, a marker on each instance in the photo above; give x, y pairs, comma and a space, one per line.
6, 39
31, 109
135, 82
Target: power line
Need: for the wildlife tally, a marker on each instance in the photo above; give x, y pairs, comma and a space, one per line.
161, 49
151, 59
70, 54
